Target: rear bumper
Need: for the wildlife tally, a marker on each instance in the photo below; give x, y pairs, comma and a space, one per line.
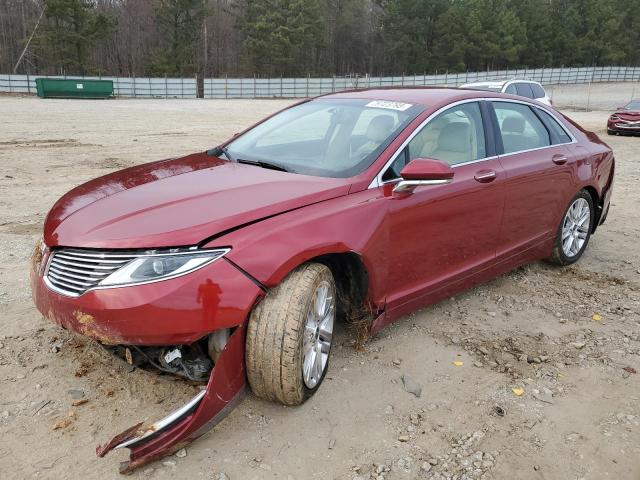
172, 312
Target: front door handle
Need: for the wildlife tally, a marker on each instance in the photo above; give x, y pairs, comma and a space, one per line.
559, 159
485, 176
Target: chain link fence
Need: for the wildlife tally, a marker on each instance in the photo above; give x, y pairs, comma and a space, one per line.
227, 88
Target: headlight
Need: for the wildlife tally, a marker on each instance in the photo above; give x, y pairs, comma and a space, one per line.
613, 117
161, 266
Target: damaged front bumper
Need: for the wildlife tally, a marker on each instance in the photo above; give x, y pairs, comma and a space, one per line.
179, 311
226, 388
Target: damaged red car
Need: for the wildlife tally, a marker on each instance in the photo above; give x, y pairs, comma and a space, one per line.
626, 120
231, 266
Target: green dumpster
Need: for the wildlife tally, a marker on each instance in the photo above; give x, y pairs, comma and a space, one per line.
73, 88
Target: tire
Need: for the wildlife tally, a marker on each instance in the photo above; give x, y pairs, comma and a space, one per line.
567, 251
284, 331
610, 132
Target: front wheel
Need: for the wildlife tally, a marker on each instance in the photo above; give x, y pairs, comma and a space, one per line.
574, 231
289, 336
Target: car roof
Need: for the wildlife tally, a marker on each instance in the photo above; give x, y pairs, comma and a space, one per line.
499, 83
493, 83
427, 96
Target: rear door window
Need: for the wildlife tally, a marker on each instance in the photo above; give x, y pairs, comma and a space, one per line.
538, 91
520, 128
524, 90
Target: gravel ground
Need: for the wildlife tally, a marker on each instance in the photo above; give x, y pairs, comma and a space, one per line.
543, 391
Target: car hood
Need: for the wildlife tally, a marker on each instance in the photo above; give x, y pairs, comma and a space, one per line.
628, 115
178, 202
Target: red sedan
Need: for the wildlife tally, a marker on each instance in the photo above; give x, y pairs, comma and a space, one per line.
231, 266
626, 120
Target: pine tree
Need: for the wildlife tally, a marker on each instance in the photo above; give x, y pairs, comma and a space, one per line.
281, 36
70, 30
179, 23
410, 34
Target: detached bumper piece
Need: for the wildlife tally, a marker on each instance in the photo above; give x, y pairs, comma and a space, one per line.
227, 386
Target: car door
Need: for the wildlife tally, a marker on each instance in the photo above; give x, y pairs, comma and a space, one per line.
442, 234
538, 176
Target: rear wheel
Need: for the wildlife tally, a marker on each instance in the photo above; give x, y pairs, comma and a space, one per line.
289, 336
574, 231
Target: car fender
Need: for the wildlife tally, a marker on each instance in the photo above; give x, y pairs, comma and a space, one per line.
270, 249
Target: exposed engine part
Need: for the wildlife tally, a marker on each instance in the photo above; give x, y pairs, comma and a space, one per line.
188, 361
193, 362
192, 365
217, 341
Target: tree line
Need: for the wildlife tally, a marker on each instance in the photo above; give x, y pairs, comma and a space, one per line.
316, 37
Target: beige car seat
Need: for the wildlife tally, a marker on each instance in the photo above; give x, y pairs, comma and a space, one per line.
454, 144
513, 137
378, 130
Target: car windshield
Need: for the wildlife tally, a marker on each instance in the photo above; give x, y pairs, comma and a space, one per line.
633, 105
325, 137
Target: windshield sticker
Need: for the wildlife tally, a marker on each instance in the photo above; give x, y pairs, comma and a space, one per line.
389, 105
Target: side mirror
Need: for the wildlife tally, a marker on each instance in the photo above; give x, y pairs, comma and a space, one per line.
423, 171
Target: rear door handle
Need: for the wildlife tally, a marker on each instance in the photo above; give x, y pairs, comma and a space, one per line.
485, 176
559, 159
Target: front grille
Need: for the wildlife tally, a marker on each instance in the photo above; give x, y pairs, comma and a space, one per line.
73, 271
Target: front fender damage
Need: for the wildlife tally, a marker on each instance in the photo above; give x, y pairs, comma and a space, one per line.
227, 386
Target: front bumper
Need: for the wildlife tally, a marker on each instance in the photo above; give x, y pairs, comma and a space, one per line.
227, 386
181, 310
622, 127
172, 312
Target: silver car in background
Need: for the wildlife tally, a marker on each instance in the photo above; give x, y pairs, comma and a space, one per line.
524, 88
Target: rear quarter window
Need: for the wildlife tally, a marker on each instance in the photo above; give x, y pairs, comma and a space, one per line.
552, 124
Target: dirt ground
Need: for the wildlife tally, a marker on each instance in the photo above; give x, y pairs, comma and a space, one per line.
578, 415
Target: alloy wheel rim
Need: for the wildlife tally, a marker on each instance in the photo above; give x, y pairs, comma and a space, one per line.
575, 227
318, 332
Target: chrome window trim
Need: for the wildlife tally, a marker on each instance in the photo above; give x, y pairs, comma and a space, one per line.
377, 181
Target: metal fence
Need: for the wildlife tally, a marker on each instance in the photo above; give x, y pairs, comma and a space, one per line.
308, 86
